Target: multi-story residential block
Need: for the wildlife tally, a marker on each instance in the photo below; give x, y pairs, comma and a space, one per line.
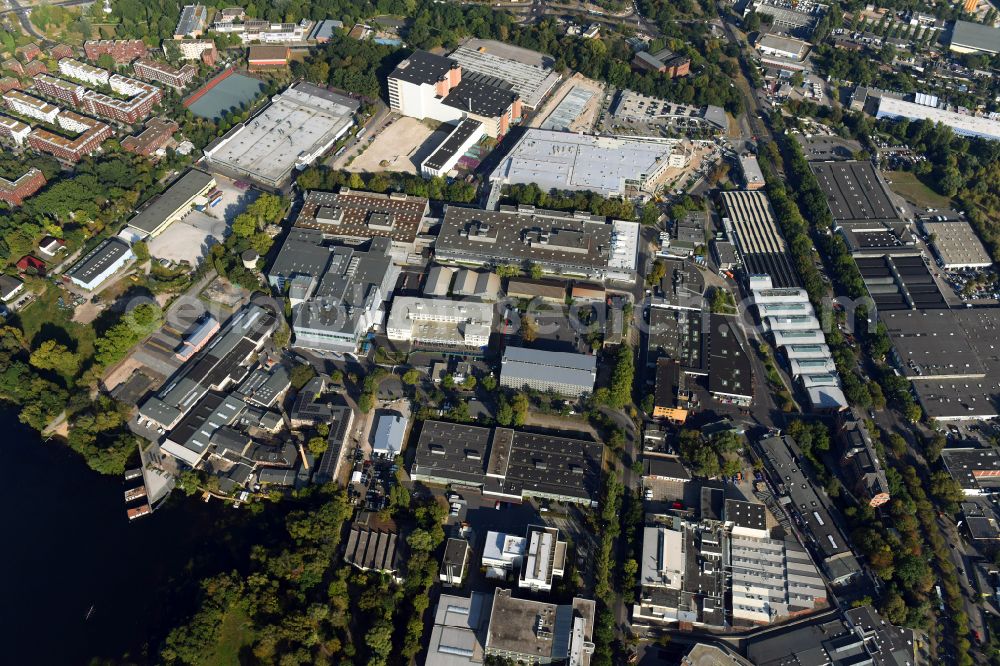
60, 51
153, 70
120, 50
16, 191
192, 49
14, 65
81, 71
71, 150
67, 91
28, 52
144, 98
14, 129
74, 122
29, 106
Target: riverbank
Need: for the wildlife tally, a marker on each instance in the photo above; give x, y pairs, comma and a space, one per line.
70, 551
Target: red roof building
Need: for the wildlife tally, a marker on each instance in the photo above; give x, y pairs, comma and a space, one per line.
34, 68
267, 57
14, 65
156, 135
60, 51
28, 52
120, 50
31, 264
9, 83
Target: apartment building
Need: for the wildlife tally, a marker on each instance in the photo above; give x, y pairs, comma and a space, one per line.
81, 71
120, 50
16, 191
154, 70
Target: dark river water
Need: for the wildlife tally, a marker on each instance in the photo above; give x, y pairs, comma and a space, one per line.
67, 547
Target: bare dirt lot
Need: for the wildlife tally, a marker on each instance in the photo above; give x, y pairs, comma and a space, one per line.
401, 147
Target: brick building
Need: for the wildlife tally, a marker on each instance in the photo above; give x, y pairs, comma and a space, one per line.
154, 70
28, 52
60, 51
71, 150
120, 50
157, 134
34, 68
16, 191
67, 91
265, 57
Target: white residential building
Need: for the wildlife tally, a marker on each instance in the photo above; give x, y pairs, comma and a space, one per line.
81, 71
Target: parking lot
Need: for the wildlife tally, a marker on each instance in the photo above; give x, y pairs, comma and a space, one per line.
190, 238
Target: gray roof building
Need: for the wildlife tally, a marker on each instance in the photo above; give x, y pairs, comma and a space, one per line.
100, 263
558, 242
509, 465
373, 550
337, 293
968, 37
459, 631
542, 633
175, 201
564, 373
782, 456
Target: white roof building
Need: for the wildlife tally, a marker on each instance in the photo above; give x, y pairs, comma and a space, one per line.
503, 551
960, 123
609, 166
389, 435
440, 321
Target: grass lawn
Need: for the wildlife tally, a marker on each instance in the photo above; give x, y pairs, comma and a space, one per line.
233, 637
913, 190
46, 317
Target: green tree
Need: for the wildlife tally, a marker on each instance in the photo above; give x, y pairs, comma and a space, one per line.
411, 377
141, 251
317, 446
51, 355
245, 225
301, 374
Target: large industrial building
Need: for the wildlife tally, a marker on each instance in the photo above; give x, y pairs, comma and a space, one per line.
337, 293
172, 205
561, 243
297, 127
609, 166
100, 264
950, 357
355, 217
508, 465
564, 373
855, 192
969, 37
426, 85
962, 124
761, 246
955, 244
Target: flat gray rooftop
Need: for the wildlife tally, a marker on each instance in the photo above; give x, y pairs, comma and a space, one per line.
295, 128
